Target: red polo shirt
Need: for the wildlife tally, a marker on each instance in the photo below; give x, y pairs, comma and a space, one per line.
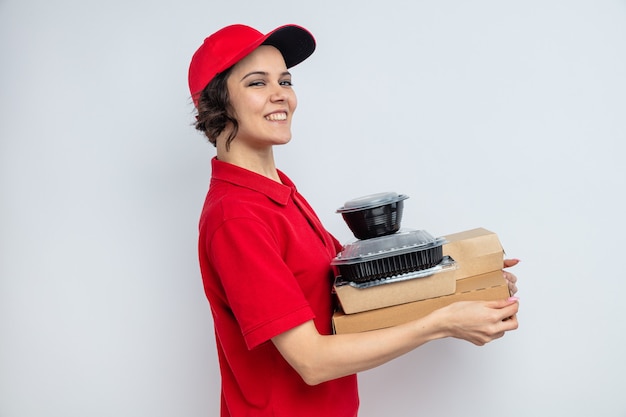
265, 262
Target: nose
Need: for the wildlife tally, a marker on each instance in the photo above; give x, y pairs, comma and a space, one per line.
278, 93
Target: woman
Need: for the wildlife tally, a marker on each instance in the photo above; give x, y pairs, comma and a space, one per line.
265, 257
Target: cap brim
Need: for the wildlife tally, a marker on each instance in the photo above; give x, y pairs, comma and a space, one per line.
294, 42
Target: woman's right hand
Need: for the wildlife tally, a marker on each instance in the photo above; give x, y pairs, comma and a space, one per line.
479, 322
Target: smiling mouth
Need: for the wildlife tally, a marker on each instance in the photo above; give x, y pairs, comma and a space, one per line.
276, 117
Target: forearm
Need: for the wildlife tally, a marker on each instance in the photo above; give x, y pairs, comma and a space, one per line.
351, 353
321, 358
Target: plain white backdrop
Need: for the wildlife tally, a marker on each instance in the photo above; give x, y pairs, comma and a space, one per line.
507, 115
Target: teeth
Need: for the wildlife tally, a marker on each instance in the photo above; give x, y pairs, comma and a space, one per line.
276, 116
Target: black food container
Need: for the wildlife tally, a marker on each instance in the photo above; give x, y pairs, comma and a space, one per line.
388, 256
374, 215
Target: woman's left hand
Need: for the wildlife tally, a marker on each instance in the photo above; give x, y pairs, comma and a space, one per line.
510, 277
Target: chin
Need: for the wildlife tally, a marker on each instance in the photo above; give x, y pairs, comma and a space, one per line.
282, 141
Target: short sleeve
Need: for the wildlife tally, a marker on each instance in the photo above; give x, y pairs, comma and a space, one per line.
262, 292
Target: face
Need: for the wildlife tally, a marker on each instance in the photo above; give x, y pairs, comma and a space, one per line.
262, 99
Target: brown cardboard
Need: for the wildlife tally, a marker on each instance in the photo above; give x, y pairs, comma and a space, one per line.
355, 300
486, 287
475, 251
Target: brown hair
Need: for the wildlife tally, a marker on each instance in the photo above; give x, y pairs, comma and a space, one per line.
215, 111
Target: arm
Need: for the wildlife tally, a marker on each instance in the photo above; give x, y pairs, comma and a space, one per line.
318, 358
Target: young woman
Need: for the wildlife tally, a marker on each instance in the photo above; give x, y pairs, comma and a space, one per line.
265, 257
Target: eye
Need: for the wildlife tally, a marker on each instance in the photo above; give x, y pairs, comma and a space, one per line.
286, 83
256, 83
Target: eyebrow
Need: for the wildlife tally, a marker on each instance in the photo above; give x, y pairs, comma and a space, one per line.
263, 73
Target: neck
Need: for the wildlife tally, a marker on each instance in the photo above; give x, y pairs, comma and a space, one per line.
260, 161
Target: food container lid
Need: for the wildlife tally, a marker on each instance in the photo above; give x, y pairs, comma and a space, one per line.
403, 241
446, 264
372, 200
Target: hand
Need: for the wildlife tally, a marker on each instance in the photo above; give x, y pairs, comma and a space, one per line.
480, 322
510, 278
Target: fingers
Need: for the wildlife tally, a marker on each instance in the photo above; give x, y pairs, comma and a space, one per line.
511, 281
507, 320
509, 314
506, 310
493, 333
511, 278
499, 304
511, 262
480, 322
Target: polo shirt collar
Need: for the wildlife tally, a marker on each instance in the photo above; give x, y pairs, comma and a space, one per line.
280, 193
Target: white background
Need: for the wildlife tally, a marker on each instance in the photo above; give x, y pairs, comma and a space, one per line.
507, 115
